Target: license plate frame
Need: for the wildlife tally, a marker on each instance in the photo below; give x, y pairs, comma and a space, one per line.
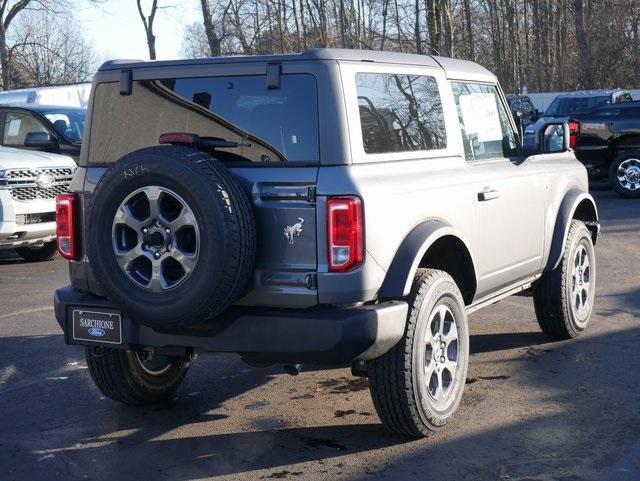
99, 326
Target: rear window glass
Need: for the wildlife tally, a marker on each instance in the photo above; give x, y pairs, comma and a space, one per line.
577, 105
400, 113
285, 118
270, 126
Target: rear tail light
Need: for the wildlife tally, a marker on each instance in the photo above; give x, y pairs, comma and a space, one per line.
574, 133
65, 226
344, 227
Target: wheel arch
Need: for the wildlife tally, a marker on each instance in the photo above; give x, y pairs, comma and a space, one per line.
575, 205
437, 245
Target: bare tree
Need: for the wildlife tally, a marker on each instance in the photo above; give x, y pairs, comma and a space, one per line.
147, 22
540, 44
49, 50
9, 10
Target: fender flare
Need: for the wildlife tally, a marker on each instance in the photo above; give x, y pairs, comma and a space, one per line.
400, 274
573, 200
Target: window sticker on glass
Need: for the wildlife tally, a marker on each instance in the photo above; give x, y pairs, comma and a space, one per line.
480, 113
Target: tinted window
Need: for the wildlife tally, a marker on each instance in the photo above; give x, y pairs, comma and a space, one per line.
285, 118
484, 122
70, 124
562, 106
400, 113
17, 125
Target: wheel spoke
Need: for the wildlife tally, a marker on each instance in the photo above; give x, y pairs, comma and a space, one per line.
124, 216
153, 195
157, 282
187, 261
125, 259
442, 314
439, 387
185, 218
452, 334
429, 369
451, 366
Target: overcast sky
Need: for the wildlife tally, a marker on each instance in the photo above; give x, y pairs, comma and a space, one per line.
116, 30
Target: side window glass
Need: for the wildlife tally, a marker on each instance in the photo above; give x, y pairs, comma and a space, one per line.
400, 113
484, 122
17, 125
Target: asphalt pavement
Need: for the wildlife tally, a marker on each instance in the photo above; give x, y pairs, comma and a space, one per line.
532, 409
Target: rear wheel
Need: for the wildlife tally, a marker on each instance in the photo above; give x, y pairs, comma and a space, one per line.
563, 298
417, 386
135, 377
624, 175
38, 253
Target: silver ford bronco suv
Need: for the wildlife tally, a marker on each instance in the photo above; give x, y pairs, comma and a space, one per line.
329, 207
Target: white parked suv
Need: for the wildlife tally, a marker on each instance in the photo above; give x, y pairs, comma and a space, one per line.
29, 183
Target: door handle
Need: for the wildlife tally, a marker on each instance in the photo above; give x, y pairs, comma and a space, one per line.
488, 194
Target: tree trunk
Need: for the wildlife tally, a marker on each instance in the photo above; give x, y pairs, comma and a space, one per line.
416, 28
583, 43
434, 26
467, 16
4, 60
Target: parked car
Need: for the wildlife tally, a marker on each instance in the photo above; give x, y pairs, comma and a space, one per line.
330, 207
522, 109
45, 128
29, 183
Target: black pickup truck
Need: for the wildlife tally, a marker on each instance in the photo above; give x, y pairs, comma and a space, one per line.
605, 134
607, 141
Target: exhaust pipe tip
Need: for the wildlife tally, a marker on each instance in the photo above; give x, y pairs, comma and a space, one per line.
293, 369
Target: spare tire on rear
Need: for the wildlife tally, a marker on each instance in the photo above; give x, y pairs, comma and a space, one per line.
171, 236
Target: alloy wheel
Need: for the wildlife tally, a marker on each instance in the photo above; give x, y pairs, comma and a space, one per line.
628, 174
155, 238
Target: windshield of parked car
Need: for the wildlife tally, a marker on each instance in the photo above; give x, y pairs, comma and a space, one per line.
68, 123
563, 106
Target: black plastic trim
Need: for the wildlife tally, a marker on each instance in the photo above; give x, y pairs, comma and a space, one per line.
324, 335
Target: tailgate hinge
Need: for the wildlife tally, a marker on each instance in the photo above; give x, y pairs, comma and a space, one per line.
311, 194
311, 281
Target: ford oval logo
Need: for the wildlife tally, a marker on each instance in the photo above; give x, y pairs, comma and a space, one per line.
96, 331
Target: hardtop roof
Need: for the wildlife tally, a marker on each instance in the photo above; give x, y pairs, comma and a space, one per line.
453, 67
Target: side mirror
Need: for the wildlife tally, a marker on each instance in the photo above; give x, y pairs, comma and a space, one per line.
535, 115
553, 138
39, 140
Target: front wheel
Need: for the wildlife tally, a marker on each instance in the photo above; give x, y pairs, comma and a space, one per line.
38, 253
563, 298
624, 175
135, 377
417, 386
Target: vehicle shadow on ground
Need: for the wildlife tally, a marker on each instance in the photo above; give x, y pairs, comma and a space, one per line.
119, 442
8, 257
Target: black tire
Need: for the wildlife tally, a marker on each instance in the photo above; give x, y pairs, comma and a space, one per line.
46, 252
557, 305
399, 384
226, 227
620, 183
120, 376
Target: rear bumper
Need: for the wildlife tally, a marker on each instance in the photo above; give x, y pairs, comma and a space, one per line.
323, 335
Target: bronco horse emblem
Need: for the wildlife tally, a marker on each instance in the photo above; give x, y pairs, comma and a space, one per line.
294, 230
